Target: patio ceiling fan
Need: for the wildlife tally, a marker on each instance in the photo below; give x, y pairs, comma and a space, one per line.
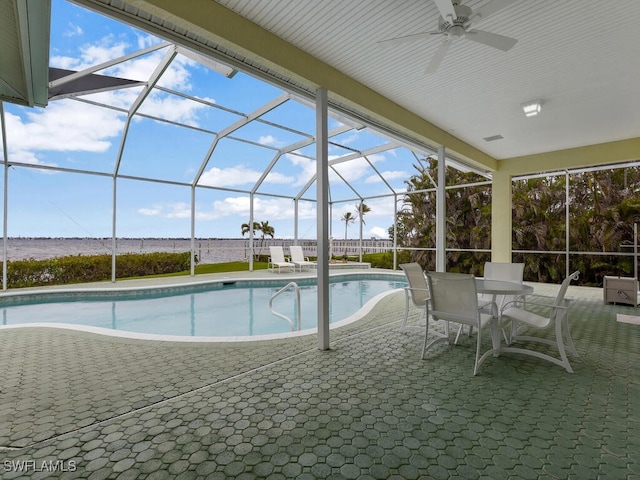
456, 22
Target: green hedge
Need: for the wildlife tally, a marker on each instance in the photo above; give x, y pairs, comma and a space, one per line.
94, 268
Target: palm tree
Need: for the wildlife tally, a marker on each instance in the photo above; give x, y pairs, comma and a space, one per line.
363, 209
348, 218
246, 229
266, 230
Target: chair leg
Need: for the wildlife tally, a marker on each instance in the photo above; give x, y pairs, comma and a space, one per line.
560, 342
406, 310
478, 345
426, 335
455, 342
571, 347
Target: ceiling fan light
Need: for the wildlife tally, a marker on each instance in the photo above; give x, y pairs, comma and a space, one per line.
532, 108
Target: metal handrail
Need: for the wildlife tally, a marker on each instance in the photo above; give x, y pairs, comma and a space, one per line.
296, 289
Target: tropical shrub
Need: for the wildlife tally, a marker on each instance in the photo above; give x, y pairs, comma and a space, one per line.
92, 268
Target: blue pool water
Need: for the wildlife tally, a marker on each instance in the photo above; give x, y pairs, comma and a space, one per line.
233, 309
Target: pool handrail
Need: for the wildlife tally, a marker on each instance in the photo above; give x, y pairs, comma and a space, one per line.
296, 289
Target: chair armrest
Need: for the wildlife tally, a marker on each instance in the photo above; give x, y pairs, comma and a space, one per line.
525, 301
452, 317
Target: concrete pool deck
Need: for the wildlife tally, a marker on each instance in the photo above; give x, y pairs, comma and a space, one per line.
107, 407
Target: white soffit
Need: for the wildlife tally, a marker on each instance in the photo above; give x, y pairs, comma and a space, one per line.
578, 56
24, 59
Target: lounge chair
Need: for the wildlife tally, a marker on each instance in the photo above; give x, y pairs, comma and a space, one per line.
277, 260
298, 258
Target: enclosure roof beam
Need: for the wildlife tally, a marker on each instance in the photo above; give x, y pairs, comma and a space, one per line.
155, 77
267, 107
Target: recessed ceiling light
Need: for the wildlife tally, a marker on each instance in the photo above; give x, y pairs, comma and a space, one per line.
532, 107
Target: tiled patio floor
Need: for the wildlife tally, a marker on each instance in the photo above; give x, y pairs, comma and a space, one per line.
106, 407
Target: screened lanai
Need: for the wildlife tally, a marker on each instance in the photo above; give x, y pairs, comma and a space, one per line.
226, 140
333, 94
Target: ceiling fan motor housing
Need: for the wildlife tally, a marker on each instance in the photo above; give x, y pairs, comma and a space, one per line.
457, 28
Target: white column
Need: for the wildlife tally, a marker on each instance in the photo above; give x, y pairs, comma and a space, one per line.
441, 215
322, 187
193, 231
395, 231
295, 221
251, 232
361, 224
5, 221
566, 227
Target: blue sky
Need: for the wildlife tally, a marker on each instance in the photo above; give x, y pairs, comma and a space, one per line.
83, 136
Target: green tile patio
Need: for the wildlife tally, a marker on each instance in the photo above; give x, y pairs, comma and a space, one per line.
81, 405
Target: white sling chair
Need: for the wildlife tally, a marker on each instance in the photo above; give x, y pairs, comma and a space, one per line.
517, 312
417, 292
509, 272
454, 298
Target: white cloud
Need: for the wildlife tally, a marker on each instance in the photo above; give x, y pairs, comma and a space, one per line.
73, 31
66, 125
307, 168
379, 232
240, 175
270, 209
150, 211
352, 170
271, 141
145, 41
169, 210
388, 175
90, 55
172, 108
63, 126
347, 139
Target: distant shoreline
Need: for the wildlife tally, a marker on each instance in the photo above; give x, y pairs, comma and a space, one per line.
208, 250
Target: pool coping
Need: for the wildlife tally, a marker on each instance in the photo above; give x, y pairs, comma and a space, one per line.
129, 292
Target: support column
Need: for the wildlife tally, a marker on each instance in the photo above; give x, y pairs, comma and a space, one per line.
441, 215
114, 245
395, 231
251, 251
567, 212
322, 187
193, 232
5, 213
296, 219
501, 222
361, 225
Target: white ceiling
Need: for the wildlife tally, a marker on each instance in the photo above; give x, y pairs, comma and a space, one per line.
581, 57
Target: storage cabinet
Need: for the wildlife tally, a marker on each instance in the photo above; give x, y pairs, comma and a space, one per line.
620, 290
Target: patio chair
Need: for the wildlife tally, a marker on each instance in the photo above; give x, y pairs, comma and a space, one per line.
454, 298
277, 259
417, 292
298, 258
517, 312
509, 272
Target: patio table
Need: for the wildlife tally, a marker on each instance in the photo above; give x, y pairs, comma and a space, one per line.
495, 288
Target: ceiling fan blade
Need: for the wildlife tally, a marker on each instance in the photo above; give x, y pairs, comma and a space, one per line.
489, 9
491, 39
405, 39
438, 57
445, 7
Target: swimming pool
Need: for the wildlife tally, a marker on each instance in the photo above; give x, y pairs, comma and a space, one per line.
226, 308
